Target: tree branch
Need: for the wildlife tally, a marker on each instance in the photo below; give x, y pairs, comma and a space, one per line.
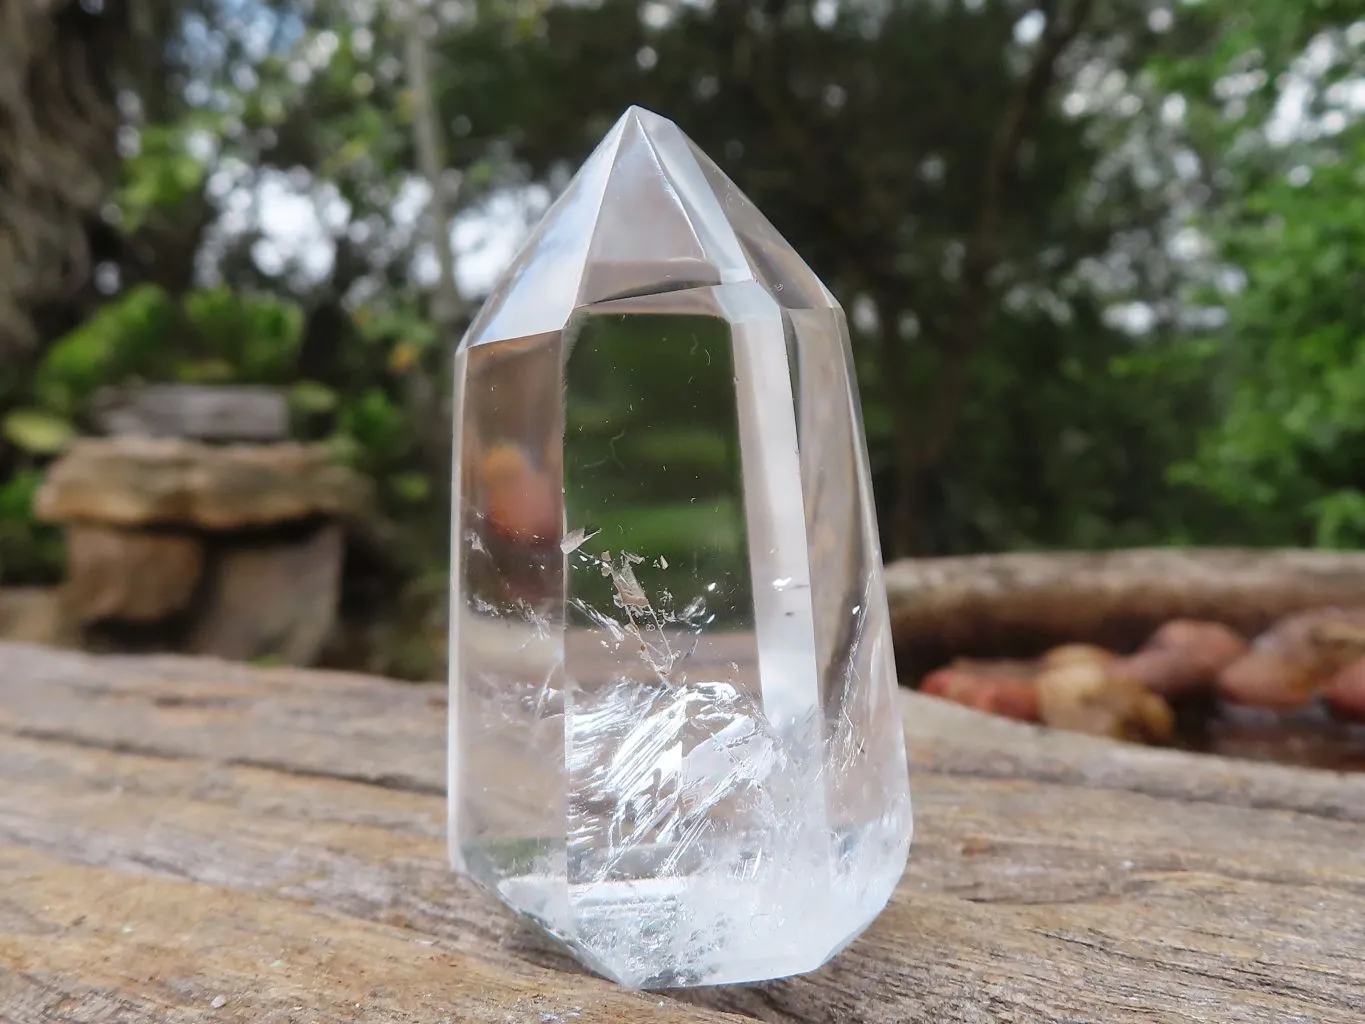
983, 250
982, 256
447, 306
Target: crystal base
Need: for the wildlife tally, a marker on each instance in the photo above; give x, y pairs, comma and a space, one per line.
670, 931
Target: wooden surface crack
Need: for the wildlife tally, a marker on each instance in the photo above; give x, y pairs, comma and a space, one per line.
94, 743
400, 783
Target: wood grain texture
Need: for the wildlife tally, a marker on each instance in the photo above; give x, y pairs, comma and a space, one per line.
176, 832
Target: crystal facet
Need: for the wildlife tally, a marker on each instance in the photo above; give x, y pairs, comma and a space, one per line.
674, 741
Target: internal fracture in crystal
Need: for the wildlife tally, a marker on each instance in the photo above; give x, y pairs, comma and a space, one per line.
674, 741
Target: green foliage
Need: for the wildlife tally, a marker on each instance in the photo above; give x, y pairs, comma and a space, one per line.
1290, 454
37, 432
376, 428
163, 177
1078, 460
255, 337
129, 337
309, 398
213, 336
651, 446
29, 550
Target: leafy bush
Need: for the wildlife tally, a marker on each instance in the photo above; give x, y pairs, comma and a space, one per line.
1290, 454
30, 552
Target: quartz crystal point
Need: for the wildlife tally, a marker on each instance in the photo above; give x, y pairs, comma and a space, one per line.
674, 738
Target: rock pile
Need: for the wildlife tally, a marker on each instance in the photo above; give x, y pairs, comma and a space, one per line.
232, 550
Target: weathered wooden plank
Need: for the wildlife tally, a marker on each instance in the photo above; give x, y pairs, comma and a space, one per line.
1054, 877
80, 943
1021, 603
388, 733
979, 898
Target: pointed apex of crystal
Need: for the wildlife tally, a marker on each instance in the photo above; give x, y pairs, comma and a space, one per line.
647, 212
540, 288
642, 115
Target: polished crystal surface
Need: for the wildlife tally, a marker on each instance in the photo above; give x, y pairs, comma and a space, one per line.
674, 740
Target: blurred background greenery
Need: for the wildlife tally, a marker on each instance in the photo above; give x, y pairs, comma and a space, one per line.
1103, 259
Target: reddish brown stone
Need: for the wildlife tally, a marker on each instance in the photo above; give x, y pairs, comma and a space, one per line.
1184, 657
1215, 645
519, 501
1337, 636
1345, 692
1291, 662
1270, 678
1093, 698
1004, 695
1017, 699
996, 668
1170, 673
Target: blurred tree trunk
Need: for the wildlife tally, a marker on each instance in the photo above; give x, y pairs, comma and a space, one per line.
59, 64
432, 399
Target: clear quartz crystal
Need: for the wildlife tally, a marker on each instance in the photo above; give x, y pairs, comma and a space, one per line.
674, 739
